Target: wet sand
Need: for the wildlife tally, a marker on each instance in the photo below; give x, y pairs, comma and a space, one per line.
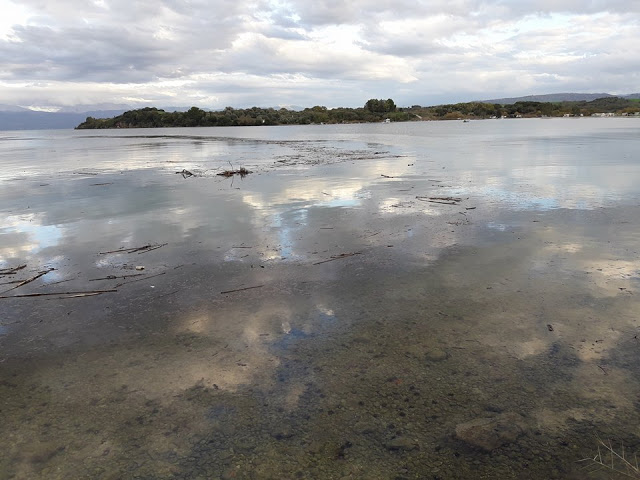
372, 328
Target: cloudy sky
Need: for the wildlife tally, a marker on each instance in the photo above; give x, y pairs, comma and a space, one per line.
241, 53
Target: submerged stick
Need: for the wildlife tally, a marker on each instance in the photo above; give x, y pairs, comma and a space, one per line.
12, 271
114, 277
79, 295
443, 200
338, 257
142, 249
152, 248
56, 293
29, 280
241, 289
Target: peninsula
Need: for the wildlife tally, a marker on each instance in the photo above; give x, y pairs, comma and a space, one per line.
374, 110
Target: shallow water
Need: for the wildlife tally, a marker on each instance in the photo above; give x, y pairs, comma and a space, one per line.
372, 324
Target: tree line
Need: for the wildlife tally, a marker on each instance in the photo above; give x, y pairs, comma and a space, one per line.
374, 110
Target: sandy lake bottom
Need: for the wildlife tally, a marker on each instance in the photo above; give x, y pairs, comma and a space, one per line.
447, 301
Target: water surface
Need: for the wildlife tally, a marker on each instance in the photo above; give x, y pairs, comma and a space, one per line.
366, 325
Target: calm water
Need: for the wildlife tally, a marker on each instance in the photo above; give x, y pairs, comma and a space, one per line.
427, 300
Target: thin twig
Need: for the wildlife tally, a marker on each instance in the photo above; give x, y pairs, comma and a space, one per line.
79, 295
153, 248
114, 277
56, 293
338, 257
29, 280
241, 289
12, 271
143, 249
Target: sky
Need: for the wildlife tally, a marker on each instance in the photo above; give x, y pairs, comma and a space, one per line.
268, 53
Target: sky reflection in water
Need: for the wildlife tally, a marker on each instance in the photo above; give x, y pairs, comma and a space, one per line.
431, 300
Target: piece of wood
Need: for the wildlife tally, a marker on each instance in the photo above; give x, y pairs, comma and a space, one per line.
338, 257
442, 200
29, 280
48, 294
114, 277
142, 249
242, 289
152, 248
12, 271
79, 295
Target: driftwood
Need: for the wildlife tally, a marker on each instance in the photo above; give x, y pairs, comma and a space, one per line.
79, 295
12, 271
243, 172
93, 292
143, 249
29, 280
114, 277
241, 289
185, 173
338, 257
442, 200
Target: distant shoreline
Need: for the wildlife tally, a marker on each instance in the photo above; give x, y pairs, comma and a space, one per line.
375, 111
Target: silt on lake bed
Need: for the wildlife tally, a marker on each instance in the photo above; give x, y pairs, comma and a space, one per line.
426, 300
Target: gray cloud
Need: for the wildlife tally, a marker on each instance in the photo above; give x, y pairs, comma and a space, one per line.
224, 52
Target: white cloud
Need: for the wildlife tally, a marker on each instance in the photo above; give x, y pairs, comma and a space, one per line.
271, 52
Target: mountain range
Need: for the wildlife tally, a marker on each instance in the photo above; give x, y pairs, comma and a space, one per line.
13, 117
559, 97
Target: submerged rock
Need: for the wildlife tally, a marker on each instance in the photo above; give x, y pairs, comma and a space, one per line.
436, 355
402, 443
491, 433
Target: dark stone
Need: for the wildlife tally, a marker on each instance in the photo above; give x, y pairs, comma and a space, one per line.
491, 433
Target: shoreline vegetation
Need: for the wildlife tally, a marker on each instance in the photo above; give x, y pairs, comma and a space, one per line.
374, 111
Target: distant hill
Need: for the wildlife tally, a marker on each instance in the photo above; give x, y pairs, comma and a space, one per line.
632, 96
551, 97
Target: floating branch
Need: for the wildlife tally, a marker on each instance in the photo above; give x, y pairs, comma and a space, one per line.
143, 249
443, 200
243, 172
95, 292
114, 277
338, 257
241, 289
29, 280
12, 271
